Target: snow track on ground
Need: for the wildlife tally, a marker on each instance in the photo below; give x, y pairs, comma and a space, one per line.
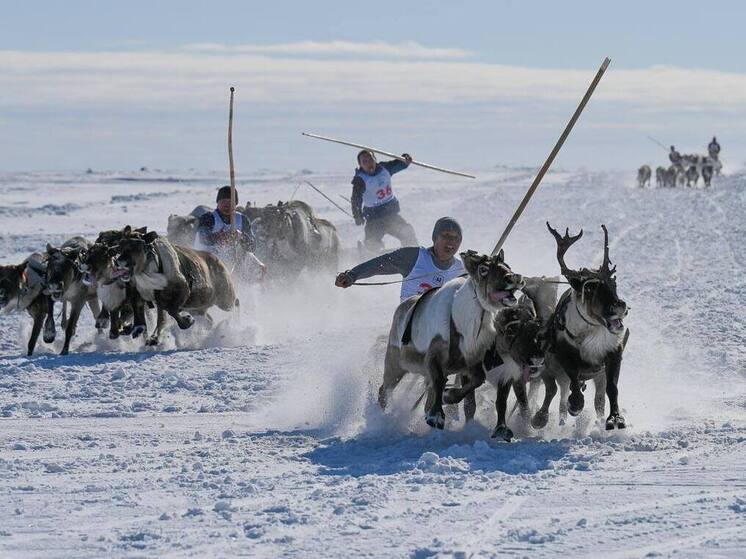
262, 437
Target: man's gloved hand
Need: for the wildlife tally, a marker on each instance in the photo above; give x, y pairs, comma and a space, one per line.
344, 280
359, 220
407, 158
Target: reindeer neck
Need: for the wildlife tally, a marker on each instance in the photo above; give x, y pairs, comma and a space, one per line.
473, 322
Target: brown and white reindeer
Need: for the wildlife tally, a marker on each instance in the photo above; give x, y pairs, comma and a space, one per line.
120, 301
585, 337
64, 283
175, 278
22, 288
447, 331
517, 356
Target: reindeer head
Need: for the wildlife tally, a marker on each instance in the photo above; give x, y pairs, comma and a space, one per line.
595, 290
524, 335
131, 254
494, 282
94, 262
11, 277
62, 268
277, 222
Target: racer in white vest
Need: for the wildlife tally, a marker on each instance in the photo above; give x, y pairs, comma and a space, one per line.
423, 268
374, 204
214, 232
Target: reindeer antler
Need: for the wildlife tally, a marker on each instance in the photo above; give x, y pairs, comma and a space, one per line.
605, 266
564, 243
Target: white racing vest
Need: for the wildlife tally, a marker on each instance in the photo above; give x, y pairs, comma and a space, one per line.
377, 188
221, 252
426, 275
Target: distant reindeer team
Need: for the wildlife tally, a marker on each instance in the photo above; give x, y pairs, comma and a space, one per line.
123, 273
685, 170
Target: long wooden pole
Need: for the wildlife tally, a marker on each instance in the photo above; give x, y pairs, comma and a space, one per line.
552, 155
388, 154
340, 208
230, 163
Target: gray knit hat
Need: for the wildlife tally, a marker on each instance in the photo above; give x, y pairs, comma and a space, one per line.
446, 224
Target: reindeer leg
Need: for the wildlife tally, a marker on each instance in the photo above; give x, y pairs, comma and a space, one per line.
599, 398
501, 403
72, 323
613, 366
102, 320
96, 311
140, 326
49, 330
541, 417
63, 322
184, 321
470, 403
114, 324
474, 380
434, 415
37, 312
564, 386
519, 389
576, 401
156, 337
392, 374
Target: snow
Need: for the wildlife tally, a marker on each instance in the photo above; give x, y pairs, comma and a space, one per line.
262, 437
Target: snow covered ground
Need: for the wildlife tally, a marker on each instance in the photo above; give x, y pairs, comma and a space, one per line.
261, 438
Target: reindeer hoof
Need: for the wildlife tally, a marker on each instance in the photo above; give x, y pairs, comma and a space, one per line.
502, 432
65, 351
436, 419
540, 419
151, 341
615, 422
576, 402
137, 330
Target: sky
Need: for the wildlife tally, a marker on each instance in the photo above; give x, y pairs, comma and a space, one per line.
466, 85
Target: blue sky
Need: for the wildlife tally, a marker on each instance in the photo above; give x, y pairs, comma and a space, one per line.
119, 85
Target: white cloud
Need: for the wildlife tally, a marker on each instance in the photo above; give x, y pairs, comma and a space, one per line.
195, 80
376, 49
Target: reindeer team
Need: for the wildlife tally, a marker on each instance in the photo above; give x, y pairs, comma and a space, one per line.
473, 319
684, 169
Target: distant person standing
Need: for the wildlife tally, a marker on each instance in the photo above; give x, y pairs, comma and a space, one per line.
374, 203
675, 157
713, 148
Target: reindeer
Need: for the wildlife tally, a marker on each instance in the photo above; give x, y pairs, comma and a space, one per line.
182, 229
660, 176
643, 176
22, 288
119, 300
175, 278
586, 337
290, 238
64, 282
707, 172
692, 176
447, 331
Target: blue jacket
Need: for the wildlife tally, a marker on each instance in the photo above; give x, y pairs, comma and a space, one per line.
358, 187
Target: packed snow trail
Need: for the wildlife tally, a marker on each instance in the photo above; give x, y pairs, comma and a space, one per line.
261, 437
